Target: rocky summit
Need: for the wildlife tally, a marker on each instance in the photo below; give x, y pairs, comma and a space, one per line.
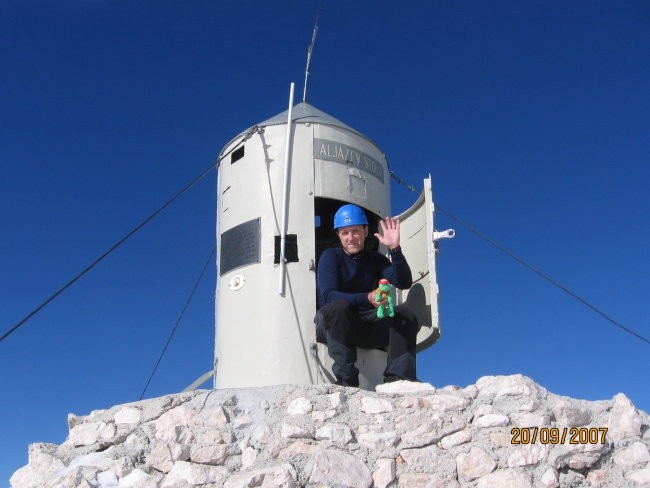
504, 431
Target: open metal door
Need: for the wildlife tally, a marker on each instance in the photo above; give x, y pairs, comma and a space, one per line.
418, 241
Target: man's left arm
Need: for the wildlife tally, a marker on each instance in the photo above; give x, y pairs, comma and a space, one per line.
398, 272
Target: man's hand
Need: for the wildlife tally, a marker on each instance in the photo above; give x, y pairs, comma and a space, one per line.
390, 232
371, 298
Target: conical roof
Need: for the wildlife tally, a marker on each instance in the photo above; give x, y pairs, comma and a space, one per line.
301, 114
304, 113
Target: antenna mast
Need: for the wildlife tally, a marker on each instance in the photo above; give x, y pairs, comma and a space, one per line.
309, 51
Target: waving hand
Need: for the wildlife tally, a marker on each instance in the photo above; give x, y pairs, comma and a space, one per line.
390, 232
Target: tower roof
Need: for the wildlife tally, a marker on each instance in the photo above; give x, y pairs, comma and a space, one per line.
304, 113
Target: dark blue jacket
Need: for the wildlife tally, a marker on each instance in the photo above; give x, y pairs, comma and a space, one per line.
344, 277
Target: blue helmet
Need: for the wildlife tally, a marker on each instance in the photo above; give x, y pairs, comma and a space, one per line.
349, 215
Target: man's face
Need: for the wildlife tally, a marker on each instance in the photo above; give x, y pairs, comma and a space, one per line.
353, 238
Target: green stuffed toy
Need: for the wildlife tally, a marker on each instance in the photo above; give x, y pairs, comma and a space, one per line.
383, 291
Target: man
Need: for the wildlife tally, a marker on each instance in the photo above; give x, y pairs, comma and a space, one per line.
346, 280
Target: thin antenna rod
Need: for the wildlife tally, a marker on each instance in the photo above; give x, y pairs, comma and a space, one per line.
309, 51
285, 193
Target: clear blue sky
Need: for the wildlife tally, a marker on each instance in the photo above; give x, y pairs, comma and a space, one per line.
533, 118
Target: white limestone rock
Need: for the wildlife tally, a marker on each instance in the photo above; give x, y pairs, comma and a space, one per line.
550, 479
284, 476
641, 477
86, 434
529, 404
577, 457
384, 473
137, 479
261, 435
248, 457
402, 387
137, 438
440, 438
43, 462
99, 460
506, 478
194, 474
632, 455
242, 422
107, 479
376, 405
474, 464
572, 478
530, 419
471, 392
336, 433
30, 477
501, 439
527, 455
570, 414
597, 478
338, 400
218, 419
423, 435
491, 420
163, 455
128, 415
456, 439
176, 425
154, 408
445, 402
208, 435
407, 403
292, 431
286, 450
624, 421
215, 454
299, 406
423, 480
124, 465
494, 387
375, 440
430, 459
79, 477
323, 415
483, 409
337, 468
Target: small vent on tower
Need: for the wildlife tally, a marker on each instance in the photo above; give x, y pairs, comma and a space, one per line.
290, 249
237, 155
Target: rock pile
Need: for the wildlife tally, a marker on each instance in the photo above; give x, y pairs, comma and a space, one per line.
504, 431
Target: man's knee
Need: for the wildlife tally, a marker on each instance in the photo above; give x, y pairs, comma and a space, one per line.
407, 319
336, 308
319, 321
336, 318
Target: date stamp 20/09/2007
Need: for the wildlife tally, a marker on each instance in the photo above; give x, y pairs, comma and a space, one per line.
558, 435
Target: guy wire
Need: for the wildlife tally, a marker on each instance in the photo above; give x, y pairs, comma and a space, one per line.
104, 255
525, 264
